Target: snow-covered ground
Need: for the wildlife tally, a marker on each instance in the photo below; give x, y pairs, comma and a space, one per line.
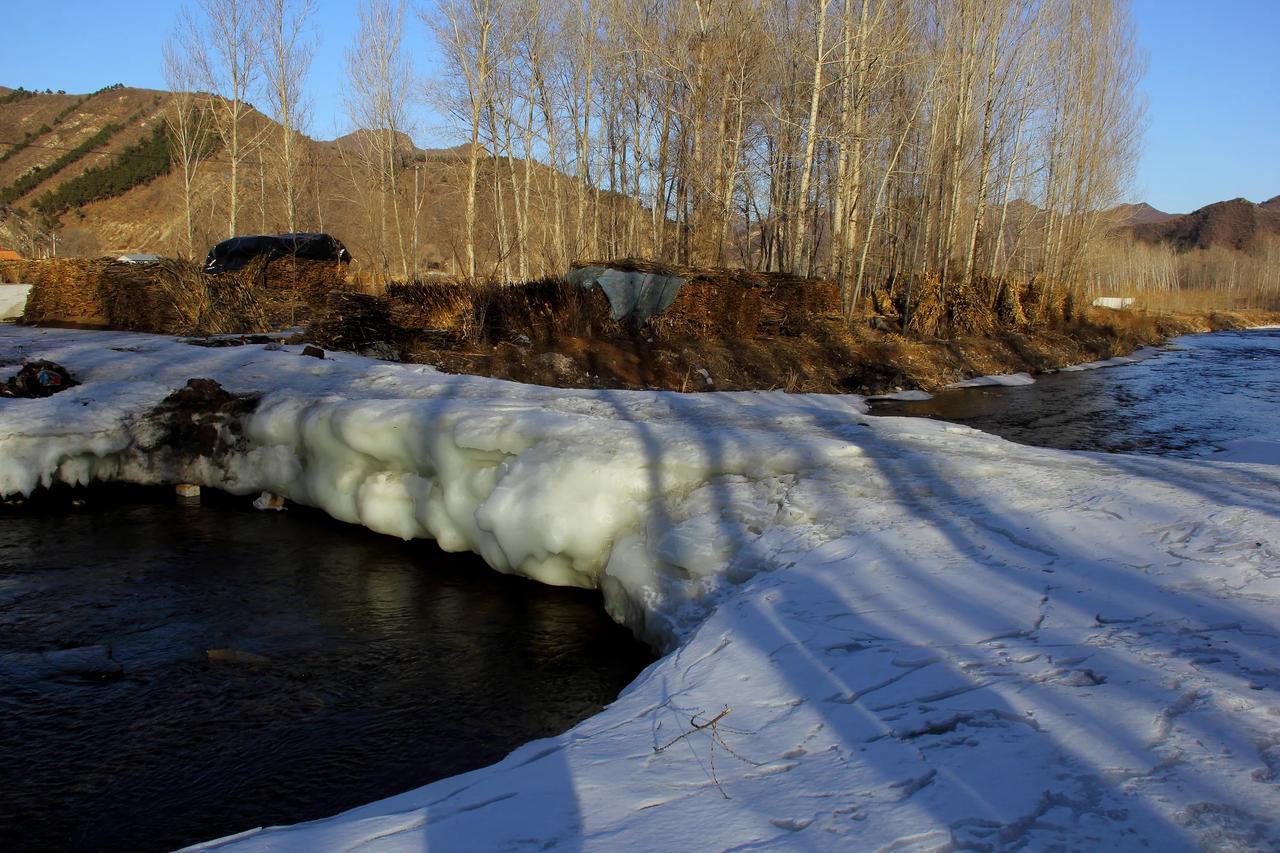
883, 633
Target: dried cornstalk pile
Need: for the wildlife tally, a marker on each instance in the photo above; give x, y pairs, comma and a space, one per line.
791, 303
63, 290
1043, 304
641, 265
352, 321
15, 272
177, 297
968, 308
882, 302
540, 310
289, 290
307, 282
430, 304
1009, 312
165, 296
926, 311
713, 305
731, 303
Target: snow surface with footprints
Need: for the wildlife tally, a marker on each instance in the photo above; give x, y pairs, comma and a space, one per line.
881, 633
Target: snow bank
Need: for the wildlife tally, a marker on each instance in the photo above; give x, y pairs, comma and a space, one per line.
1005, 379
926, 637
1258, 451
912, 395
1140, 355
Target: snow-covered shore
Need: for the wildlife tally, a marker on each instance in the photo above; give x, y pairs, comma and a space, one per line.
926, 637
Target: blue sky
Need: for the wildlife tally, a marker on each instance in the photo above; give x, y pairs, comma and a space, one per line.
1213, 82
1213, 89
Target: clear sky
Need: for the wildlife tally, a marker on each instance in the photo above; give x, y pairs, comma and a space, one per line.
1213, 83
1213, 89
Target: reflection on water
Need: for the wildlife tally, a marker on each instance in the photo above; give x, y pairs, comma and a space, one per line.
347, 667
1206, 391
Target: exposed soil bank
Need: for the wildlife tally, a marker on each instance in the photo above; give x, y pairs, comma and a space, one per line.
824, 359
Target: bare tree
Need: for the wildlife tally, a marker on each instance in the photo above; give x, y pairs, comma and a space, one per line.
380, 79
224, 45
187, 125
465, 30
289, 49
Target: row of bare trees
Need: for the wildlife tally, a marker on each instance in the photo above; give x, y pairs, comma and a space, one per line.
870, 141
221, 54
857, 139
1218, 277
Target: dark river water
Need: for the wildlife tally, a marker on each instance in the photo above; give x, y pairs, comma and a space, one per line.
1194, 398
172, 672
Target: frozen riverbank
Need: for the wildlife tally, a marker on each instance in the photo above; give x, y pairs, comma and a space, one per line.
925, 635
1216, 395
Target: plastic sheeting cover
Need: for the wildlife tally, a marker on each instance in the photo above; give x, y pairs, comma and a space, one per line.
233, 254
13, 300
633, 296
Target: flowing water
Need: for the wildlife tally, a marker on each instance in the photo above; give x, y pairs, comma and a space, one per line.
172, 672
1196, 397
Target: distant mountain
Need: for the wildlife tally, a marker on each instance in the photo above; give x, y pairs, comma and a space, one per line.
1139, 214
93, 171
357, 138
1233, 224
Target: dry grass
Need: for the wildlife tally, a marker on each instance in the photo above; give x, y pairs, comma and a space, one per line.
539, 310
430, 304
1209, 300
352, 321
167, 296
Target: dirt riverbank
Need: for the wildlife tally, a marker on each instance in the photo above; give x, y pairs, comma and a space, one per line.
826, 358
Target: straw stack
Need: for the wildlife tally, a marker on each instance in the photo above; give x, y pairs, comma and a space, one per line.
968, 308
64, 290
540, 310
1009, 309
430, 304
353, 322
926, 310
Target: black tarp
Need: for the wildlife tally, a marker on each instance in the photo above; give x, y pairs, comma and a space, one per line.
231, 255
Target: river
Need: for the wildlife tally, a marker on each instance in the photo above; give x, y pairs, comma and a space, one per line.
175, 671
172, 671
1199, 395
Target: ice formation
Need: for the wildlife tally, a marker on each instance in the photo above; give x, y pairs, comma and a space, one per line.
926, 637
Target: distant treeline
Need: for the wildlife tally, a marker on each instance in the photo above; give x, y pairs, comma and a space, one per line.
34, 177
141, 162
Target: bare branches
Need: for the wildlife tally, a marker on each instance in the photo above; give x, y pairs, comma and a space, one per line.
712, 728
187, 123
288, 50
880, 143
222, 42
380, 81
